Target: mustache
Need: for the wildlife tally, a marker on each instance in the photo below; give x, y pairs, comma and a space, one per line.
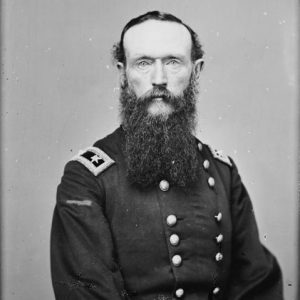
160, 92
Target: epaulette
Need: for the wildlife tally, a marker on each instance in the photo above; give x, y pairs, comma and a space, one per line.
94, 159
218, 154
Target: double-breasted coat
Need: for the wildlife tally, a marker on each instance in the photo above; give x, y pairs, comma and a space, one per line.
111, 240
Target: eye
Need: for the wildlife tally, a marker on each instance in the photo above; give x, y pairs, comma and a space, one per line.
143, 64
173, 63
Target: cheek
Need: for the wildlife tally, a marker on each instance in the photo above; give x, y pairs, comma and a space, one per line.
177, 84
139, 84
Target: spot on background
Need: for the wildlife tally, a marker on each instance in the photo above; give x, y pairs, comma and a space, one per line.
60, 94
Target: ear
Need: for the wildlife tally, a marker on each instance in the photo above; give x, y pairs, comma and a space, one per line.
122, 74
198, 65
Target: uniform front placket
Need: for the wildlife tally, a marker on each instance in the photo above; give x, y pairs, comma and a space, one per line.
171, 220
214, 185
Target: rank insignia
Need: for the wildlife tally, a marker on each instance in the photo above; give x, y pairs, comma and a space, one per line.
94, 159
218, 154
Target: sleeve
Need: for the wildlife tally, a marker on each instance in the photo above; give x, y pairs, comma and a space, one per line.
83, 264
255, 272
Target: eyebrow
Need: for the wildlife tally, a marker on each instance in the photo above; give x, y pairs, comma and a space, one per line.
170, 56
137, 57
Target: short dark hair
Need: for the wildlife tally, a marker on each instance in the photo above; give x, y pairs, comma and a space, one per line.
118, 51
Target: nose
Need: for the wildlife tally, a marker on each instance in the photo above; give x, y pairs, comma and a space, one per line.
159, 76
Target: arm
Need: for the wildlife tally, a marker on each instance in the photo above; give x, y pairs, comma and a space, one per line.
255, 272
83, 264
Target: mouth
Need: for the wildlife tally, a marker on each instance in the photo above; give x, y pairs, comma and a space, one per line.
158, 99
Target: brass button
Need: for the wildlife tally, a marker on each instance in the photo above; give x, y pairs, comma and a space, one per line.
171, 220
176, 260
164, 185
219, 217
219, 238
206, 164
211, 181
174, 239
200, 146
219, 256
216, 290
179, 293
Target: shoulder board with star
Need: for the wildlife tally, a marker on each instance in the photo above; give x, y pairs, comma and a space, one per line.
218, 154
94, 159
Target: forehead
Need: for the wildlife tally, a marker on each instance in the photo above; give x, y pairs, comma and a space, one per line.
157, 38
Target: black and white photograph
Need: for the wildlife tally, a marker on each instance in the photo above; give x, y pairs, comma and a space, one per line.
150, 150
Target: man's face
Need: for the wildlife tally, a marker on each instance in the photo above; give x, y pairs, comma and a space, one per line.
158, 54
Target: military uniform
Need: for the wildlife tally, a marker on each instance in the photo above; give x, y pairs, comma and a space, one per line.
112, 240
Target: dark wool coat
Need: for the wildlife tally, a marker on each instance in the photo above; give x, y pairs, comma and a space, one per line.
111, 240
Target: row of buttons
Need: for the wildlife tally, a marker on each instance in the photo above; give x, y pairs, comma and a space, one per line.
174, 241
174, 238
206, 164
218, 217
177, 260
164, 184
180, 292
211, 180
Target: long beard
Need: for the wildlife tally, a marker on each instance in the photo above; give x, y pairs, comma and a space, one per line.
160, 147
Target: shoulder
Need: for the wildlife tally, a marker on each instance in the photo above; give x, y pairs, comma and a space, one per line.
224, 166
216, 155
220, 155
100, 156
94, 159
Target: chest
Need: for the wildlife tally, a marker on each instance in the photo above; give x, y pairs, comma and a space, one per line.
140, 218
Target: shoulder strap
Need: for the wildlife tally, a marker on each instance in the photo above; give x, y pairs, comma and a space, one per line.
218, 154
94, 159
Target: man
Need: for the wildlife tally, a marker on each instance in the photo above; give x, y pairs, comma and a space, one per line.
150, 212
